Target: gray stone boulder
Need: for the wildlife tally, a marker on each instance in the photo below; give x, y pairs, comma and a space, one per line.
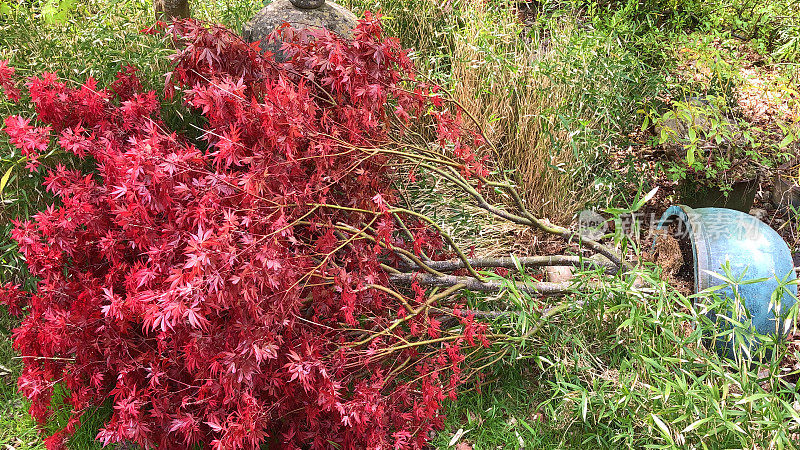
305, 14
786, 191
706, 118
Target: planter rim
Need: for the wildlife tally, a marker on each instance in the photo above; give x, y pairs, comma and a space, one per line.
681, 212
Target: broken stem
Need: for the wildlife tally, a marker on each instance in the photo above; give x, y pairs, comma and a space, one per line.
471, 284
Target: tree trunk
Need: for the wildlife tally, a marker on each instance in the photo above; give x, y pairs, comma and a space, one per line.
171, 9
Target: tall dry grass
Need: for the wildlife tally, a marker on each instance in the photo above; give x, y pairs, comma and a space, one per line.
500, 76
518, 83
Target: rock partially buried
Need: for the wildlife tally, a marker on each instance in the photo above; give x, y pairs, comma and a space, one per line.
703, 115
559, 274
171, 9
787, 188
304, 14
308, 4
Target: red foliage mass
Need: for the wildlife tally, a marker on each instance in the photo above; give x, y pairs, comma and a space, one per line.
209, 293
7, 85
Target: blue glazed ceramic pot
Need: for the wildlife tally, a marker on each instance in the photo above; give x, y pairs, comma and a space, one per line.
753, 251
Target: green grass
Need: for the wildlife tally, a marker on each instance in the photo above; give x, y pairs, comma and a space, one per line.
503, 413
17, 428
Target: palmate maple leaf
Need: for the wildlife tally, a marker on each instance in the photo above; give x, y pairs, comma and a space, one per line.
220, 297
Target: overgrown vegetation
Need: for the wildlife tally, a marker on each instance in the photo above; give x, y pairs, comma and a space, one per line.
572, 97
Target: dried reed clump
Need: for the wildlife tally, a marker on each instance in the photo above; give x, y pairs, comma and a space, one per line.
501, 78
477, 232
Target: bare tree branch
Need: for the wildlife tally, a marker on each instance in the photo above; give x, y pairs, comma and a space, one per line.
471, 284
524, 261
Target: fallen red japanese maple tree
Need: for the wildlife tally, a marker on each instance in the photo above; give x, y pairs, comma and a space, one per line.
261, 284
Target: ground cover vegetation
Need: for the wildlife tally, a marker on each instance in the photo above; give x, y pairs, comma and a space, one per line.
567, 104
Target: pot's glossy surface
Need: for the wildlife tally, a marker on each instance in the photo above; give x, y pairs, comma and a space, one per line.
753, 251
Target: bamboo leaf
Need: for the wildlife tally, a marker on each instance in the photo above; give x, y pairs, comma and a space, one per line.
6, 177
663, 427
695, 424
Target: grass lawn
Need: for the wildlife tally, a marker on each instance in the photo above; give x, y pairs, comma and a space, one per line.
17, 428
